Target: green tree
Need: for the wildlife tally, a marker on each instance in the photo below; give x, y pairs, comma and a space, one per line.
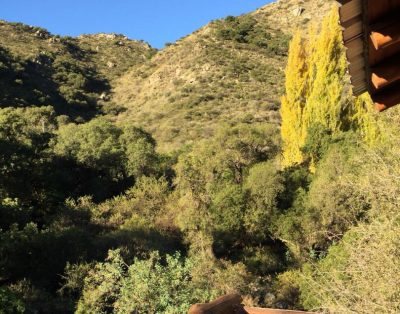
10, 303
94, 144
140, 152
146, 286
264, 185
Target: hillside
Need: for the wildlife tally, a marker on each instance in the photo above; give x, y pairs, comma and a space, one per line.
236, 160
73, 75
290, 15
230, 71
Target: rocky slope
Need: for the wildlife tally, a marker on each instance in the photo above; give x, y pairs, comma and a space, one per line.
110, 54
229, 71
73, 75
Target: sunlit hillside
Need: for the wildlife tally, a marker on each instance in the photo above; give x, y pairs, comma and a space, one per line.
235, 160
230, 71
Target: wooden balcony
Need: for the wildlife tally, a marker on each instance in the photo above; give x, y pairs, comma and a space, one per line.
231, 304
371, 33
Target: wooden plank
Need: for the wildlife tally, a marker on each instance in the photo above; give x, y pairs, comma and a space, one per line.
254, 310
223, 305
231, 304
386, 73
354, 30
342, 2
357, 64
386, 33
354, 48
360, 88
350, 10
387, 98
358, 77
351, 19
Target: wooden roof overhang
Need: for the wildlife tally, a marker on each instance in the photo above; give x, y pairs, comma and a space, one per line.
371, 34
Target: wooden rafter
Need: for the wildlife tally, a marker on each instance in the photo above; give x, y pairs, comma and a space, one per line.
371, 34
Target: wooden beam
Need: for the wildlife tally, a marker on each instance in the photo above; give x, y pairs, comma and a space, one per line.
223, 305
386, 73
386, 33
378, 9
254, 310
349, 10
231, 304
387, 98
354, 48
371, 34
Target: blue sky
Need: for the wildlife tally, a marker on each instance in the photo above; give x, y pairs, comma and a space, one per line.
155, 21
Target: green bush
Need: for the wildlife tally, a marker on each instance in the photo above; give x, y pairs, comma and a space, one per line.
146, 286
10, 303
360, 274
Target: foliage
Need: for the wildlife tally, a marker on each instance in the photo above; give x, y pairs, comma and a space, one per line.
317, 95
227, 190
115, 152
264, 184
10, 303
218, 214
329, 206
146, 286
246, 30
360, 274
94, 144
140, 151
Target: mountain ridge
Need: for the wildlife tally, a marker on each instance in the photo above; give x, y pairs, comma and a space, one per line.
205, 79
227, 72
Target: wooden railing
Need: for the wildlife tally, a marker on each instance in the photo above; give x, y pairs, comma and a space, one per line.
232, 304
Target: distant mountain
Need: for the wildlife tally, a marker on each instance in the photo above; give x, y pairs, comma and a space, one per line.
72, 74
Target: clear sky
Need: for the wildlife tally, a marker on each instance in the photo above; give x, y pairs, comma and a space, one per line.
155, 21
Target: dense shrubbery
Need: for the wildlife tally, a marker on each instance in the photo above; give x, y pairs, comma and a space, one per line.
44, 167
94, 220
61, 81
340, 226
246, 30
146, 286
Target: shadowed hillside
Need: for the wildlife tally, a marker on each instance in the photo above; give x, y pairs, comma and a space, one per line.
73, 75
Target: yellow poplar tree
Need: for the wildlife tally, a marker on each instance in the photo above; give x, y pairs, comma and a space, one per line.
317, 91
328, 101
293, 102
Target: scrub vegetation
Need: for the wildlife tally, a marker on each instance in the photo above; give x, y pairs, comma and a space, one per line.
235, 160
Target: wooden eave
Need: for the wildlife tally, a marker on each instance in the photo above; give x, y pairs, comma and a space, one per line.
371, 34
